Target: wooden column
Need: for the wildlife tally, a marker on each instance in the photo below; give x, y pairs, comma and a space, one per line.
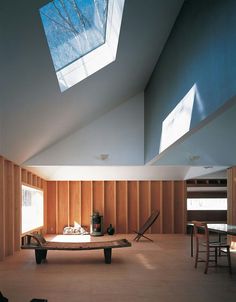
231, 197
9, 208
17, 207
2, 210
43, 184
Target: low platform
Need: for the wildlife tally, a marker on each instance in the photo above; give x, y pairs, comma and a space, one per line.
41, 246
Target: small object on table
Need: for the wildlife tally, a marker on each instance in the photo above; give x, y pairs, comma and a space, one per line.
110, 230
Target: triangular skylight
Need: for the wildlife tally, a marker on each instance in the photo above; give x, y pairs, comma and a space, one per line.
82, 36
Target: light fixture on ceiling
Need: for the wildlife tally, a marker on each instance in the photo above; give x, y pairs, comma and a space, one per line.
208, 167
103, 156
193, 158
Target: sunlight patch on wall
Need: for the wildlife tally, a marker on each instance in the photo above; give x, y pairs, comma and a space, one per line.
82, 36
177, 123
32, 209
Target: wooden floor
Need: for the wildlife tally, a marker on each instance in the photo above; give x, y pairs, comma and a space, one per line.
160, 271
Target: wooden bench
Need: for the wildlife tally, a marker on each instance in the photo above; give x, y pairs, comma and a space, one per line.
41, 246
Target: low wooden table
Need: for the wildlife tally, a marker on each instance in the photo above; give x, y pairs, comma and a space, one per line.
41, 246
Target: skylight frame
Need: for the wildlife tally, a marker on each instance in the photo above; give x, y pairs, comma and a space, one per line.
98, 58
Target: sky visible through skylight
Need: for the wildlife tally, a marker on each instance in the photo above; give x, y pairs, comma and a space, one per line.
73, 28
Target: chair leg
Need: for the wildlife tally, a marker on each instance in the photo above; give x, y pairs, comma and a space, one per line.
207, 260
196, 255
229, 259
216, 255
147, 238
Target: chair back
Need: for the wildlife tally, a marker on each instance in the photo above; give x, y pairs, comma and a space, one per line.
148, 223
201, 232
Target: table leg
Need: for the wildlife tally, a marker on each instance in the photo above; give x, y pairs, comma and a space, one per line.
107, 255
40, 255
191, 241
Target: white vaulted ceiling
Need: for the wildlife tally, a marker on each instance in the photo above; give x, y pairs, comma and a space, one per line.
39, 125
35, 113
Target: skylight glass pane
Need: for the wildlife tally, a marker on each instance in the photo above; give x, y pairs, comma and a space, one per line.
82, 36
73, 28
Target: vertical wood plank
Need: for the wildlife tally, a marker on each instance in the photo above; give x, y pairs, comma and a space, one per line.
75, 202
24, 176
121, 206
63, 205
34, 180
168, 208
144, 202
17, 207
45, 202
38, 182
98, 197
109, 204
2, 210
132, 206
29, 178
179, 207
51, 207
231, 199
9, 208
86, 197
156, 197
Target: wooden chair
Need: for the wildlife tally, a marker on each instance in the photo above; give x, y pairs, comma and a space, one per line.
209, 249
149, 222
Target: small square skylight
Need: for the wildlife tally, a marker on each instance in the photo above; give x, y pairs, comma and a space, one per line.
82, 36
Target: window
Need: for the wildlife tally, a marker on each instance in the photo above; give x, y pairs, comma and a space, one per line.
32, 208
82, 36
206, 204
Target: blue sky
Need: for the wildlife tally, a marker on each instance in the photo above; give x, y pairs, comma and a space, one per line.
73, 28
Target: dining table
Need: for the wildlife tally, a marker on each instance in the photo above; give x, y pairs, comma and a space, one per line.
218, 228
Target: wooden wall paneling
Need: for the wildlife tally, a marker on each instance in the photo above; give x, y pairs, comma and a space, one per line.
156, 204
63, 205
75, 202
86, 198
231, 192
231, 197
9, 208
98, 197
133, 204
24, 176
168, 207
121, 206
144, 202
52, 207
109, 204
29, 178
34, 180
17, 207
2, 209
45, 202
180, 210
38, 182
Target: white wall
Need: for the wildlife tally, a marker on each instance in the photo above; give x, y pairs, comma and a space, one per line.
119, 133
